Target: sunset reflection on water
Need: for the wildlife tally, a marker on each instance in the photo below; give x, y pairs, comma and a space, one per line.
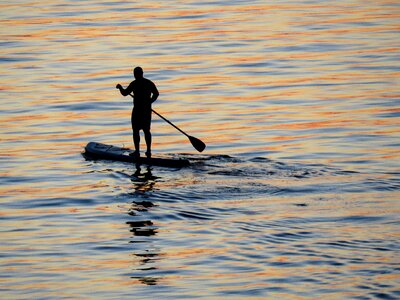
296, 195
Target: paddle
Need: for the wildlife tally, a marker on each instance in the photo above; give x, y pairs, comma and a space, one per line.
196, 143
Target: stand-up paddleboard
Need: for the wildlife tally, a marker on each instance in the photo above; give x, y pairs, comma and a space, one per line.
109, 152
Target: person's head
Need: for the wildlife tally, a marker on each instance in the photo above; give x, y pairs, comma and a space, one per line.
138, 72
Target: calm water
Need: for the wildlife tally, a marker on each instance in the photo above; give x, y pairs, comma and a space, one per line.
295, 197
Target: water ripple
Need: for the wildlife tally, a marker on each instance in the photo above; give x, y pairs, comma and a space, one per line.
295, 195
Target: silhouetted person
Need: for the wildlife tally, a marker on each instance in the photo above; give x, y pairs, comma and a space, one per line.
144, 94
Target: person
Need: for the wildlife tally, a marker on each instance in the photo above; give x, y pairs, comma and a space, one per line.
144, 94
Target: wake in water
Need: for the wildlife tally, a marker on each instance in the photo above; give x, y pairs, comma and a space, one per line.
214, 176
281, 224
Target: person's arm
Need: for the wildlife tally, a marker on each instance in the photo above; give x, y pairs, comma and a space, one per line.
154, 92
124, 92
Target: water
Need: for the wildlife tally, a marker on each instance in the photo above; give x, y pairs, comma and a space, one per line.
296, 195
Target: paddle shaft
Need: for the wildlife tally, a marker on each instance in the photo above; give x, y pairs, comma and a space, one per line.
170, 123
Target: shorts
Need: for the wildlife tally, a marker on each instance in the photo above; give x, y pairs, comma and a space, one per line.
141, 120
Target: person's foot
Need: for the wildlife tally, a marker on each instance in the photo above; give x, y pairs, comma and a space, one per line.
148, 154
135, 154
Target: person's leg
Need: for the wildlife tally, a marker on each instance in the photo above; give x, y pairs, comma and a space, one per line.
147, 136
136, 136
146, 130
136, 140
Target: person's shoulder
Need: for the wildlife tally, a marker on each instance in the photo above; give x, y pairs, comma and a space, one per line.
147, 80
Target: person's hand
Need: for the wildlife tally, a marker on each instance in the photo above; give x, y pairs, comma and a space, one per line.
118, 86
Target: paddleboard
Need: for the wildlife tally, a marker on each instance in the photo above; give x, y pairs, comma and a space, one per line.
110, 152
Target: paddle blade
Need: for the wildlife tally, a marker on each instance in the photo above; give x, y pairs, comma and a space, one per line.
197, 144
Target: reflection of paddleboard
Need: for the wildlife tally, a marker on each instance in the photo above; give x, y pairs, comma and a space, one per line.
109, 152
